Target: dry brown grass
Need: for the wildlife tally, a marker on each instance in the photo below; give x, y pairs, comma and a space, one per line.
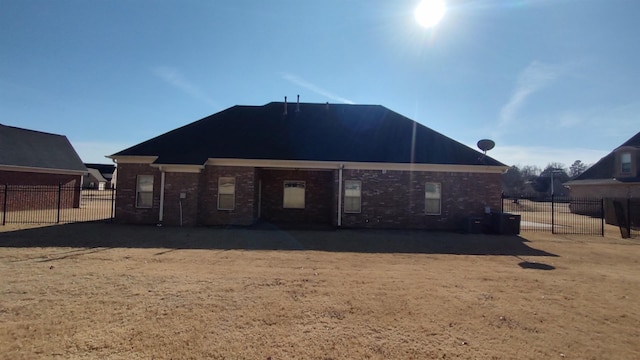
145, 293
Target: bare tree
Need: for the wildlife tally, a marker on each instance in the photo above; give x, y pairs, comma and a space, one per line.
513, 181
577, 168
530, 171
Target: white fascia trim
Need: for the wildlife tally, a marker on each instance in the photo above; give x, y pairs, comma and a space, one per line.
133, 159
42, 170
179, 168
314, 165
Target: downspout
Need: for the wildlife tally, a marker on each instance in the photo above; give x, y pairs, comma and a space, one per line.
161, 213
340, 195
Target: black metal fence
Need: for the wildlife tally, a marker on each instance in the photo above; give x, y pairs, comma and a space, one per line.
21, 204
567, 215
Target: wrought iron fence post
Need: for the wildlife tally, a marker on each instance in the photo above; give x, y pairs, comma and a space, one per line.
553, 215
4, 205
113, 204
602, 216
59, 202
629, 215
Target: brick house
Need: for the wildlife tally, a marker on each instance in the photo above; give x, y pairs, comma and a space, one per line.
615, 176
99, 176
339, 165
31, 160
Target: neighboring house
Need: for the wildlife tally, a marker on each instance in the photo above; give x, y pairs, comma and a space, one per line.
99, 177
340, 165
615, 176
31, 159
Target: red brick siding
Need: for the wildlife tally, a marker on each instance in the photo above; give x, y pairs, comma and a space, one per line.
605, 191
31, 190
395, 199
126, 211
244, 213
318, 196
391, 199
176, 184
620, 192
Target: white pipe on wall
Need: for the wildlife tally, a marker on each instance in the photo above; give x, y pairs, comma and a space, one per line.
161, 213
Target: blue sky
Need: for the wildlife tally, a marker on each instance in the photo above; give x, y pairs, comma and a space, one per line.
548, 80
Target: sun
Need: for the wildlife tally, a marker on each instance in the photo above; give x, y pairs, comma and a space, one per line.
429, 12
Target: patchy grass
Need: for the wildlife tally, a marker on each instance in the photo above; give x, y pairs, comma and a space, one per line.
100, 291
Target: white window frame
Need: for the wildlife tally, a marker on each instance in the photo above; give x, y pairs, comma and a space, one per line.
625, 161
290, 195
352, 191
146, 191
430, 196
227, 189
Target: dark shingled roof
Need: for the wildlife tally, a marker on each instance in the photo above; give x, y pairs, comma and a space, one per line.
106, 170
29, 148
320, 132
604, 168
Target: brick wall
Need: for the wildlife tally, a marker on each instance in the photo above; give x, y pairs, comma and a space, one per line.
390, 199
31, 190
605, 191
126, 211
177, 184
396, 199
319, 195
608, 192
244, 213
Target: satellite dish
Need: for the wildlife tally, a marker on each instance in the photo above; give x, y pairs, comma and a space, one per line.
486, 145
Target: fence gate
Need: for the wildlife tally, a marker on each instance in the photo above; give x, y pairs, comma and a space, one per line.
558, 215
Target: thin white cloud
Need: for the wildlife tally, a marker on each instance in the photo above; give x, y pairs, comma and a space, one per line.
535, 77
316, 89
175, 78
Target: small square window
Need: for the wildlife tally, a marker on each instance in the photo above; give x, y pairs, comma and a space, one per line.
144, 191
432, 198
352, 196
293, 195
226, 193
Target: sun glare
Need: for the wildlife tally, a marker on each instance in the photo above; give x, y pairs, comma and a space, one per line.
429, 12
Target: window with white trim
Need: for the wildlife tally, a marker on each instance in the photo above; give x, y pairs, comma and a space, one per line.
144, 191
432, 198
625, 163
226, 193
352, 196
293, 194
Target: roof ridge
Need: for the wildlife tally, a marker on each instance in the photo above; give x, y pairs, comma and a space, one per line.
31, 130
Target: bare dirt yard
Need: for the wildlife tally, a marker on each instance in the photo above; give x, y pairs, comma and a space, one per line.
106, 291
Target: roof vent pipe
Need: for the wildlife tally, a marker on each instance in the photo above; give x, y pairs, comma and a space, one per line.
285, 105
298, 104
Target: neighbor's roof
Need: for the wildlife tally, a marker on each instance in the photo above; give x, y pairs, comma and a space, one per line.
604, 168
96, 174
35, 149
105, 169
317, 132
